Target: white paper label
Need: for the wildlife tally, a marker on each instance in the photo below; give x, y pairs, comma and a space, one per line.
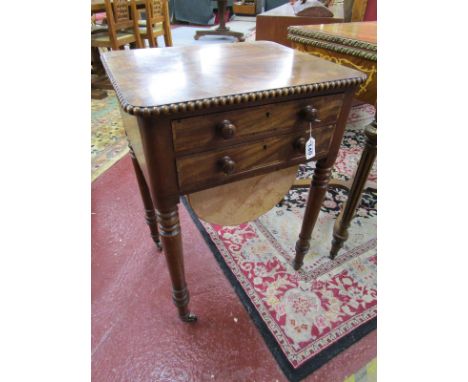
310, 148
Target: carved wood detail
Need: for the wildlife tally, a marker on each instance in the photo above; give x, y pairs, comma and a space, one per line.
295, 31
183, 107
168, 223
333, 47
150, 213
340, 229
318, 187
169, 228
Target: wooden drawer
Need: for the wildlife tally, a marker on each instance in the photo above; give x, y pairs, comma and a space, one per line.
212, 168
206, 132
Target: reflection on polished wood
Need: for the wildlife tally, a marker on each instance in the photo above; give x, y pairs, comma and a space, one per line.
168, 95
164, 77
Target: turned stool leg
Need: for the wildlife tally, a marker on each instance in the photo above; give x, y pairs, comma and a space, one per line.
169, 226
340, 230
150, 213
318, 188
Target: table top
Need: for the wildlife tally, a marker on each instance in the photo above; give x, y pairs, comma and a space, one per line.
152, 78
357, 31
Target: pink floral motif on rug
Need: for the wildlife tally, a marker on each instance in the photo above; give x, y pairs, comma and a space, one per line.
307, 311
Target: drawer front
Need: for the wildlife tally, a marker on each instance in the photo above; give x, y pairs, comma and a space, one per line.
220, 166
232, 127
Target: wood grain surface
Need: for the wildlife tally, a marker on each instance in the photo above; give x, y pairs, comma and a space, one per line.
230, 84
279, 151
242, 201
203, 132
359, 31
148, 78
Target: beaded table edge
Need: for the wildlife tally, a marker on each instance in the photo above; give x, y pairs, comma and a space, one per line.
188, 106
333, 47
300, 31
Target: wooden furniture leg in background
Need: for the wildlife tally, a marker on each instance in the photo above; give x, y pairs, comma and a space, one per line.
318, 188
96, 61
99, 80
99, 73
340, 230
150, 213
169, 228
222, 30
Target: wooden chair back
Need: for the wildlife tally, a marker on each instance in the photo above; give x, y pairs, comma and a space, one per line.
154, 11
157, 11
119, 17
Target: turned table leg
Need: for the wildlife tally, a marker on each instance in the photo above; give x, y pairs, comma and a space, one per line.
340, 230
318, 188
150, 213
169, 227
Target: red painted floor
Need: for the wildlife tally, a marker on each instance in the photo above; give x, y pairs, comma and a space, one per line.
136, 335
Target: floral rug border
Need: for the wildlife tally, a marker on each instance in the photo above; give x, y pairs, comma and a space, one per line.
293, 375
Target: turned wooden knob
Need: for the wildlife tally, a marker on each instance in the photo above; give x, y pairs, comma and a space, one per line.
227, 165
299, 144
310, 114
227, 129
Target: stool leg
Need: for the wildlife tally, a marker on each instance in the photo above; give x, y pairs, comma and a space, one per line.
340, 229
150, 213
318, 187
169, 226
96, 61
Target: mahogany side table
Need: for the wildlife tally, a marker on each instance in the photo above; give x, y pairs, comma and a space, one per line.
189, 131
353, 45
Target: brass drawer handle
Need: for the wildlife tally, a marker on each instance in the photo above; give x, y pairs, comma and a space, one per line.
310, 114
299, 144
227, 129
227, 165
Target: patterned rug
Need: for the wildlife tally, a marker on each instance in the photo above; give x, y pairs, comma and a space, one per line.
108, 141
306, 317
351, 148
